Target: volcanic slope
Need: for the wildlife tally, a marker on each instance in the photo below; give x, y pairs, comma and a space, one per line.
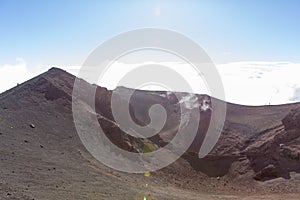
42, 157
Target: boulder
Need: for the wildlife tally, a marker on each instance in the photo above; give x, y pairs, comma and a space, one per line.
269, 172
292, 120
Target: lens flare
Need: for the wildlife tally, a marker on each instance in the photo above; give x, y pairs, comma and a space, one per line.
147, 174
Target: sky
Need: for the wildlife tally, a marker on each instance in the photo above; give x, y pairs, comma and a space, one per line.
257, 40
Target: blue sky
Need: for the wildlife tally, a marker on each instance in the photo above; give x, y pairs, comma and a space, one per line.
64, 32
254, 43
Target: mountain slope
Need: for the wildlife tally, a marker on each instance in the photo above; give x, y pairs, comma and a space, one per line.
42, 156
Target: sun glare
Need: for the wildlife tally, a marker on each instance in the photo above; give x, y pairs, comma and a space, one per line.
157, 10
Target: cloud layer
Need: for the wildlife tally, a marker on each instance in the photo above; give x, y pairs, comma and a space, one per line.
12, 74
258, 83
249, 83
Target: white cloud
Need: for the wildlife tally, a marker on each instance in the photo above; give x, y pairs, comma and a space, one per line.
119, 70
13, 74
259, 83
250, 83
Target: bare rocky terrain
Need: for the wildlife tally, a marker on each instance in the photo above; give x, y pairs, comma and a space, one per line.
42, 156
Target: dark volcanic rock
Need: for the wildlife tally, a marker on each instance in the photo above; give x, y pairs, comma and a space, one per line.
267, 173
292, 120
